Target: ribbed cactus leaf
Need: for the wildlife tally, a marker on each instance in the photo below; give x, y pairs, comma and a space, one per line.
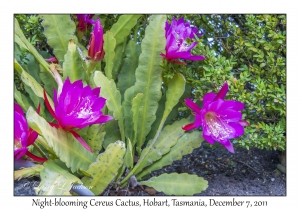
43, 68
31, 82
21, 40
128, 159
136, 109
41, 75
111, 137
47, 80
72, 66
105, 168
123, 26
35, 69
148, 74
59, 29
64, 144
113, 98
55, 180
163, 141
21, 99
95, 137
175, 90
155, 150
176, 87
159, 116
118, 61
109, 56
18, 39
126, 107
34, 98
174, 113
36, 102
127, 73
185, 145
32, 67
177, 184
28, 172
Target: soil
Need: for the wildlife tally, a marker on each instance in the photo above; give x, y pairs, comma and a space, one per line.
245, 173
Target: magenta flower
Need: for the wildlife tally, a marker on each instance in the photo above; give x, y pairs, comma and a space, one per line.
52, 60
95, 49
23, 136
84, 21
77, 107
176, 47
220, 119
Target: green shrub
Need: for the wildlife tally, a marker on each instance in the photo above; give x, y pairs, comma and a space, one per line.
249, 51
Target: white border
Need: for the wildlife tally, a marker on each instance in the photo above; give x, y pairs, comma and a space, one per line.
8, 8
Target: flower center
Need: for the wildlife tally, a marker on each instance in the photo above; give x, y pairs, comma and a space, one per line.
85, 111
183, 46
217, 126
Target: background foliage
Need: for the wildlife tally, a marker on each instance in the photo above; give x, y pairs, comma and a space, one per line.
249, 51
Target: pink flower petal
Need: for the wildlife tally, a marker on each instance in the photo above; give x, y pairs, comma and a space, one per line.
20, 129
32, 137
96, 91
52, 60
72, 100
17, 108
230, 115
98, 104
104, 119
194, 57
244, 123
192, 105
228, 145
66, 88
236, 105
55, 98
20, 153
208, 97
222, 93
238, 128
192, 46
198, 120
208, 138
215, 105
176, 35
